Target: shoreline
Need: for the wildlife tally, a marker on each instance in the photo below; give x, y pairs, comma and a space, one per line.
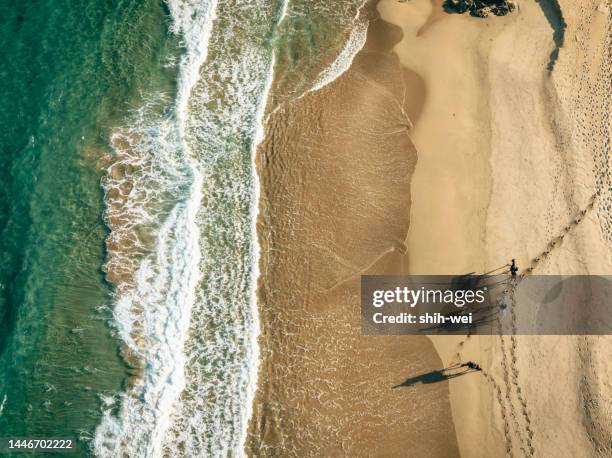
323, 79
255, 276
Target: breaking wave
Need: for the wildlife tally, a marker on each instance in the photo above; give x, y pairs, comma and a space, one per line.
356, 40
181, 203
153, 191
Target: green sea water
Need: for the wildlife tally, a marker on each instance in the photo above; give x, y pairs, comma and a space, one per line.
69, 72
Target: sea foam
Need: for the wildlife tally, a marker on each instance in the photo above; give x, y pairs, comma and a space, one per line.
212, 416
153, 192
354, 43
182, 197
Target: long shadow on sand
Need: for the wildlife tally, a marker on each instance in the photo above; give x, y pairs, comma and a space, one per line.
433, 377
554, 16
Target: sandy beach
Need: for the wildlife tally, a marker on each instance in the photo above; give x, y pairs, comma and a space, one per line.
335, 170
502, 184
452, 145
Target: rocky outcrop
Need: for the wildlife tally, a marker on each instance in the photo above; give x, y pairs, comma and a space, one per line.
479, 8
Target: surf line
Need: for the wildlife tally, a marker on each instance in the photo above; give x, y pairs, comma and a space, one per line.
166, 276
343, 61
254, 210
354, 44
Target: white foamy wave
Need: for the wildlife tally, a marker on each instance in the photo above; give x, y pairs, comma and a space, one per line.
253, 366
153, 304
2, 404
283, 12
212, 416
145, 170
355, 42
153, 192
161, 303
193, 21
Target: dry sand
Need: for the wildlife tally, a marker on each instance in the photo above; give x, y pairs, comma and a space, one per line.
509, 160
446, 148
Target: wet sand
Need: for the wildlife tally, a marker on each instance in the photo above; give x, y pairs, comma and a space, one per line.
335, 171
446, 148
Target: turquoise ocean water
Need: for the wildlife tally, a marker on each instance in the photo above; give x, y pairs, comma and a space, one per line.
70, 70
127, 205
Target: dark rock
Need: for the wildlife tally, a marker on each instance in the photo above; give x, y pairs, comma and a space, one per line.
479, 12
479, 8
457, 6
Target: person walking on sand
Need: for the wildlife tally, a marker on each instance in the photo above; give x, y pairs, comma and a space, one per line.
513, 269
472, 365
